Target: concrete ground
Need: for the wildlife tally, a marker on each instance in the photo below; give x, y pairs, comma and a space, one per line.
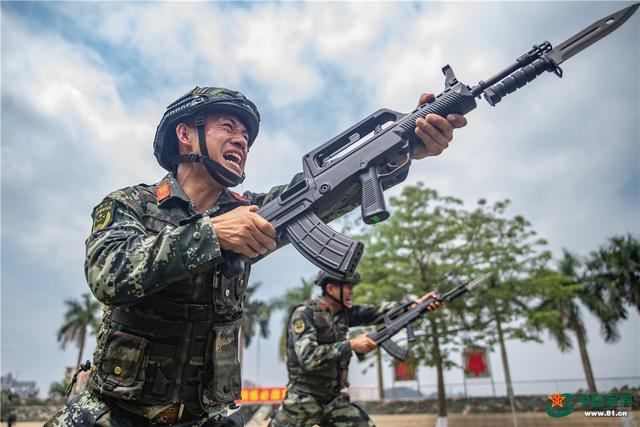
499, 420
478, 420
527, 419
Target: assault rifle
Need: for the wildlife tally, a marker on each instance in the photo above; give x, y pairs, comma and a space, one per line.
365, 157
403, 316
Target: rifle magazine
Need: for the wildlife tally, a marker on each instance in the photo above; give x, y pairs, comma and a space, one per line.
323, 246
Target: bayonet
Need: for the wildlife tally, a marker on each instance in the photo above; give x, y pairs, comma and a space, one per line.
594, 32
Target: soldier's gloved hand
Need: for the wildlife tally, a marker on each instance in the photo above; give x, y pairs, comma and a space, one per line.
432, 306
435, 132
243, 231
362, 344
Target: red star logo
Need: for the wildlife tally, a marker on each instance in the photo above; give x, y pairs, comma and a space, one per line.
557, 400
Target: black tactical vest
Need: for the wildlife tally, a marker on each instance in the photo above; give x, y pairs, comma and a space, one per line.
178, 345
329, 379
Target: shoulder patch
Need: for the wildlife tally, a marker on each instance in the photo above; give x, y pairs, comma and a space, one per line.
298, 326
103, 215
163, 191
238, 197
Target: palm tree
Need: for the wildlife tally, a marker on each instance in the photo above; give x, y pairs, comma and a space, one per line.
609, 278
288, 302
569, 316
613, 277
80, 317
255, 313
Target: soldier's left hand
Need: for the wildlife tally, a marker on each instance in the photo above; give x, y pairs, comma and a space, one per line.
435, 132
432, 306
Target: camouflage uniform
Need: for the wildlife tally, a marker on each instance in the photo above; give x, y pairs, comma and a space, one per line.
168, 340
318, 356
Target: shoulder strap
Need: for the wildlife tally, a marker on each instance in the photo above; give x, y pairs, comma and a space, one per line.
146, 196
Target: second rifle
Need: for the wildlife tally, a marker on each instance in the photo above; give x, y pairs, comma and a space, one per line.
403, 316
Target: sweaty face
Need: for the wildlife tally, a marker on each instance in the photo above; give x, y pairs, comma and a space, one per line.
227, 141
347, 293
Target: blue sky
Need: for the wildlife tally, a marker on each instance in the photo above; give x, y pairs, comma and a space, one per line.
85, 84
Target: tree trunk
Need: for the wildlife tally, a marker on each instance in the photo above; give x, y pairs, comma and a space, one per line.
507, 373
81, 339
586, 364
442, 397
258, 361
379, 366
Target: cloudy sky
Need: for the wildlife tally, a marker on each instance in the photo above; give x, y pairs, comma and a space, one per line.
85, 84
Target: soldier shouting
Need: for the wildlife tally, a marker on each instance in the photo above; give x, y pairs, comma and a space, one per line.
167, 349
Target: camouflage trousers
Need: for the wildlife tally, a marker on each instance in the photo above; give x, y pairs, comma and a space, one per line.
303, 410
87, 409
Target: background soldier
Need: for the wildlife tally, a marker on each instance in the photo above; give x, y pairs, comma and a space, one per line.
167, 349
318, 355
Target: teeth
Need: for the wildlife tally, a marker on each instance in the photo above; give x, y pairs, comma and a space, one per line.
232, 158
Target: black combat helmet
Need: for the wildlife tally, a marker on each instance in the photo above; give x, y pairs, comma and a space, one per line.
324, 277
193, 105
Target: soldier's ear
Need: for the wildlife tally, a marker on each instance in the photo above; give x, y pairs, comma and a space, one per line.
185, 136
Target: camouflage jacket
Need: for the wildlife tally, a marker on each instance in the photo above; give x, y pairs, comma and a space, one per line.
318, 352
139, 245
169, 332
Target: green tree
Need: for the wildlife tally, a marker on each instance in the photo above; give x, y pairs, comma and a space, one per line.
418, 249
511, 249
81, 317
288, 302
432, 243
255, 318
58, 389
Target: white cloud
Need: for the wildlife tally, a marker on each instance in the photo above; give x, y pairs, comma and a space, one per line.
343, 34
273, 160
86, 99
91, 128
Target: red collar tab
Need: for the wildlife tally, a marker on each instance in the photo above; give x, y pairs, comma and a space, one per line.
238, 197
163, 191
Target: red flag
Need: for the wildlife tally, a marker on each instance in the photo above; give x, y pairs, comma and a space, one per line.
405, 371
475, 363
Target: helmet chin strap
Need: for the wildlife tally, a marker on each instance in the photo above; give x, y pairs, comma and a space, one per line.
339, 301
218, 172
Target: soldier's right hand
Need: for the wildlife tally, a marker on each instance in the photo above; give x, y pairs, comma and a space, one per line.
243, 231
362, 344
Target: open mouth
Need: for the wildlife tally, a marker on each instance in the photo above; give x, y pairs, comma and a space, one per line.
234, 160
